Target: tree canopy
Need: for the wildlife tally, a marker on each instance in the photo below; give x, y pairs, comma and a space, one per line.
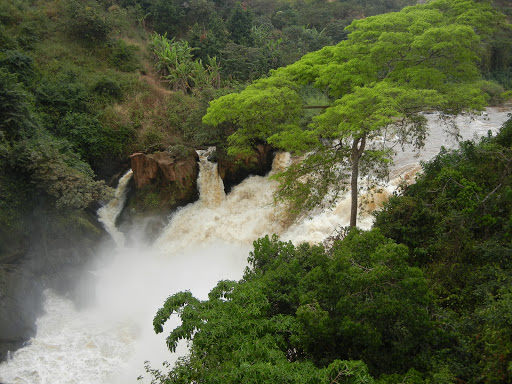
301, 315
455, 220
391, 68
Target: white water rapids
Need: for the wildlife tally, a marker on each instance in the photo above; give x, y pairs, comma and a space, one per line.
108, 341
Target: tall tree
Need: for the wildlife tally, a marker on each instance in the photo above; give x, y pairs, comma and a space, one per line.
391, 68
239, 24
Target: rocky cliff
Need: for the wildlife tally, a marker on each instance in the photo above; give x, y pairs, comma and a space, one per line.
164, 180
52, 256
234, 169
166, 168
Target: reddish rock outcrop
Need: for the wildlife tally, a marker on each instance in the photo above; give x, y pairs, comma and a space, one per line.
162, 166
163, 181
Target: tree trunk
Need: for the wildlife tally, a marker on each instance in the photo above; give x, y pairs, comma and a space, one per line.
357, 151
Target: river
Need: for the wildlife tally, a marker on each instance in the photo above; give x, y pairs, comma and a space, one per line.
108, 340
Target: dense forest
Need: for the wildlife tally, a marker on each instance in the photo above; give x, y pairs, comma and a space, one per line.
424, 297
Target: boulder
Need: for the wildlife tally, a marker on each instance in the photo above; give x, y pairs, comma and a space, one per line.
162, 182
234, 169
165, 167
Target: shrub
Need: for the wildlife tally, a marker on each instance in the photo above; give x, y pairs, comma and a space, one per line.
58, 173
493, 90
6, 39
16, 120
60, 95
108, 88
18, 63
123, 56
85, 134
87, 21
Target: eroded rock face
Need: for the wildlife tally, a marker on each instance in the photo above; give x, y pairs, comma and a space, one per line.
234, 170
162, 166
20, 304
162, 182
54, 256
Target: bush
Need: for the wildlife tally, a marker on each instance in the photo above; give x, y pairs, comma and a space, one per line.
90, 139
493, 90
17, 120
18, 63
108, 88
6, 39
84, 132
166, 16
87, 21
58, 173
11, 12
123, 56
60, 95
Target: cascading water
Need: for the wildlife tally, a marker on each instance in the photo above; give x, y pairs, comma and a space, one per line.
109, 213
211, 186
108, 341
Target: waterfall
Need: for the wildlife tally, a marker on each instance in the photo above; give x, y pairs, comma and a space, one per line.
240, 217
211, 186
108, 342
203, 242
109, 213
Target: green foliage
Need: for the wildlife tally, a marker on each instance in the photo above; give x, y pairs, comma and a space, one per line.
496, 338
455, 220
6, 40
175, 63
18, 63
208, 41
304, 40
239, 25
412, 376
124, 56
261, 109
300, 315
391, 68
57, 172
240, 62
166, 16
470, 202
60, 95
90, 139
16, 109
108, 88
178, 151
85, 20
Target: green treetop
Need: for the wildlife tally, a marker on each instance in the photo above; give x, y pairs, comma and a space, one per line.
301, 315
391, 68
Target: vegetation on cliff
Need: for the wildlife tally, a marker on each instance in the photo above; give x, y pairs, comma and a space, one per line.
92, 92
